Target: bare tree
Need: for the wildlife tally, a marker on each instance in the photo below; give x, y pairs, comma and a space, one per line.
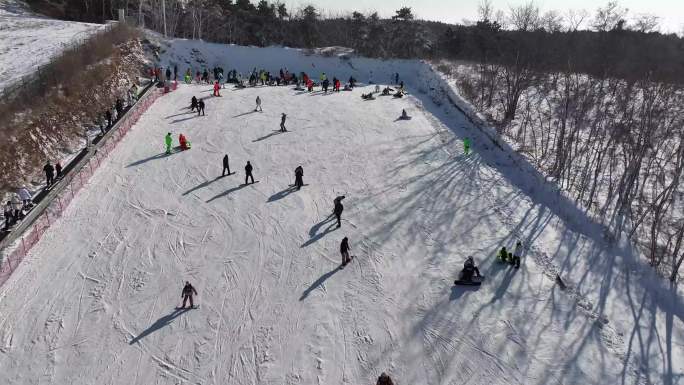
575, 19
485, 10
645, 22
524, 17
552, 21
610, 17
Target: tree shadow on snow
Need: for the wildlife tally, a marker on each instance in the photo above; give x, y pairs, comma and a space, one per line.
282, 194
319, 282
160, 323
141, 161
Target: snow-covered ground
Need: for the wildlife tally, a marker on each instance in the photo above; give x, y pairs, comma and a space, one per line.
94, 302
28, 41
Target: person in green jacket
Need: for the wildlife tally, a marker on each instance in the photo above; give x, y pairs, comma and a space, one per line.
503, 254
169, 141
466, 146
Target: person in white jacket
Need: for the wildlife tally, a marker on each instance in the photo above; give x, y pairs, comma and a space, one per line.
25, 196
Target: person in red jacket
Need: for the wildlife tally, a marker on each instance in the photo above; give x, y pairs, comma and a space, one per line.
217, 87
309, 85
183, 142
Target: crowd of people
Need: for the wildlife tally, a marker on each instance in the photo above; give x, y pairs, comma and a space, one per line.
22, 200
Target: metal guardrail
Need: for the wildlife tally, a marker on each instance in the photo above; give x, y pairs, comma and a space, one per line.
26, 234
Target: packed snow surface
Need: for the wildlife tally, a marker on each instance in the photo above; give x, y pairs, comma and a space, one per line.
28, 41
95, 301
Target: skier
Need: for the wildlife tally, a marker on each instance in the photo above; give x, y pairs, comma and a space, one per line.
469, 269
337, 85
168, 73
337, 210
226, 166
309, 85
299, 177
108, 116
58, 170
258, 105
323, 77
200, 107
193, 103
384, 379
168, 141
325, 84
466, 146
217, 87
25, 196
175, 72
49, 174
187, 294
344, 250
396, 78
282, 123
248, 172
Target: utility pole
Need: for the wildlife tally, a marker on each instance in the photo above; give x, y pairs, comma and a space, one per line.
164, 15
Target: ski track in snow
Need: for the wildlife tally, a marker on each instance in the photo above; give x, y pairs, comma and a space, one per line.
274, 305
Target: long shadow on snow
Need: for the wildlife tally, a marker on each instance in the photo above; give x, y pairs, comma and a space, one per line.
282, 194
315, 235
274, 133
160, 323
204, 184
151, 158
227, 192
318, 283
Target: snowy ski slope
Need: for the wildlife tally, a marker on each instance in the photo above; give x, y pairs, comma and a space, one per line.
28, 41
94, 302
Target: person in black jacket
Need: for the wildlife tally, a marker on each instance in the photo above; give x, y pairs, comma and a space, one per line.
187, 294
226, 166
337, 210
49, 174
344, 250
248, 172
299, 177
193, 103
200, 107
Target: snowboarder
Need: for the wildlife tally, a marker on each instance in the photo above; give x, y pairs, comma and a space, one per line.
193, 103
248, 172
49, 173
187, 294
344, 250
337, 210
384, 379
226, 166
299, 177
258, 105
466, 146
200, 107
469, 269
25, 196
217, 87
282, 123
168, 140
404, 115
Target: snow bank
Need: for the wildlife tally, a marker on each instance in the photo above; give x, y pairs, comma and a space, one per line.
28, 41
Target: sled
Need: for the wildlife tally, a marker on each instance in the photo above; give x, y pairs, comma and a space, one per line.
476, 281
